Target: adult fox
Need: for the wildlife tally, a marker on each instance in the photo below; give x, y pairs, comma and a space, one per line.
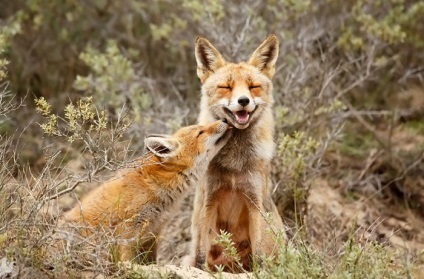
235, 194
136, 204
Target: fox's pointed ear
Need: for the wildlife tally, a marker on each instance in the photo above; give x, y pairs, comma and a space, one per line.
161, 146
208, 58
266, 55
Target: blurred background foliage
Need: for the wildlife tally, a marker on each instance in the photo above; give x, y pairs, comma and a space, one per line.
341, 64
53, 42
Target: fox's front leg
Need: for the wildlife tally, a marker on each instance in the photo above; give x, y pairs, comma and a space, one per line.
144, 252
197, 254
200, 235
207, 229
200, 248
210, 231
138, 240
273, 235
125, 250
255, 231
254, 201
272, 232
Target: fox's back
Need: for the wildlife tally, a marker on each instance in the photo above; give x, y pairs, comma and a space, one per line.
157, 181
117, 200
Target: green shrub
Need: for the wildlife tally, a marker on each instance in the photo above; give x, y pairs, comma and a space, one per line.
113, 81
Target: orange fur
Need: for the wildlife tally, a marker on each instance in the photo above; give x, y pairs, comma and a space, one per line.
236, 193
136, 204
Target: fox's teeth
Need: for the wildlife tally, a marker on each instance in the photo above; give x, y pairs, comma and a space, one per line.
242, 116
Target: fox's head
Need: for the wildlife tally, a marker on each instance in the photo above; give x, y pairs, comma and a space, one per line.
239, 92
190, 146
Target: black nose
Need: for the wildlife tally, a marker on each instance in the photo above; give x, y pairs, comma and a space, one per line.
243, 101
224, 120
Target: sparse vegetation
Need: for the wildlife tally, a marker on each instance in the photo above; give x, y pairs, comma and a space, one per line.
82, 83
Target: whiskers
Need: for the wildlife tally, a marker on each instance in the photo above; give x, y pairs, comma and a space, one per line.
261, 103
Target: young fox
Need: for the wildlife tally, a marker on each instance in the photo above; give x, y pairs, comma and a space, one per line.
136, 205
236, 194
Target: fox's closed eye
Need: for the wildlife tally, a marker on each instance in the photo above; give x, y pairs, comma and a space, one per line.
201, 132
254, 86
224, 87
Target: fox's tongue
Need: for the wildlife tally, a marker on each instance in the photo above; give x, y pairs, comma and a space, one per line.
241, 116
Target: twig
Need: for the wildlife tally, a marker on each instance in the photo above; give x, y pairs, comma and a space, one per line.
369, 127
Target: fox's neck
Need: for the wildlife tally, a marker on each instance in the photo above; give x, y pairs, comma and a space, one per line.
249, 148
167, 176
155, 171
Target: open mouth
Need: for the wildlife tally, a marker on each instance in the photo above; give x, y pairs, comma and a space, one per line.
241, 116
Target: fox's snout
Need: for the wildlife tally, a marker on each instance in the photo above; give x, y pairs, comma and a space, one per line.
219, 126
243, 101
219, 133
223, 126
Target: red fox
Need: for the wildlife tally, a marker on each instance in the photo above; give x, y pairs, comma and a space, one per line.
136, 204
235, 195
